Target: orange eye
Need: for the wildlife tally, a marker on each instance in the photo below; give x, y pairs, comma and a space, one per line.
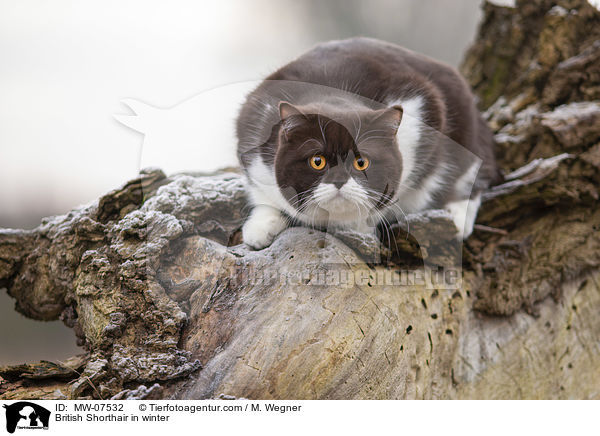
317, 162
361, 163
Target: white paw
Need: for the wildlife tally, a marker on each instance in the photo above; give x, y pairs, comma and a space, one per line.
262, 226
464, 213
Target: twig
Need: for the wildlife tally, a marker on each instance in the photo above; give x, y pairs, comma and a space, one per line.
488, 229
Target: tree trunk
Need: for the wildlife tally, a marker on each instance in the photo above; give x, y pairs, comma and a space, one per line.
169, 305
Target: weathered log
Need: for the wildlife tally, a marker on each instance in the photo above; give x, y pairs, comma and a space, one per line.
169, 304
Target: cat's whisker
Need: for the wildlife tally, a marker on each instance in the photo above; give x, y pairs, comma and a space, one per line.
296, 199
405, 218
387, 226
390, 206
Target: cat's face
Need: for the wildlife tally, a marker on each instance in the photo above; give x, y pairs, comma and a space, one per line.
339, 167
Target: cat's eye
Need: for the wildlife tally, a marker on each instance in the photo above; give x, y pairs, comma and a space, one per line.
361, 163
317, 162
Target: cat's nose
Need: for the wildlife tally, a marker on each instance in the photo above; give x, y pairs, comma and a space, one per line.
339, 184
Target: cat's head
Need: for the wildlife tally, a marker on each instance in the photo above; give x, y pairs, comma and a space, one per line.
340, 164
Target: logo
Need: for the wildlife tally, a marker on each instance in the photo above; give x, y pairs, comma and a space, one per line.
26, 415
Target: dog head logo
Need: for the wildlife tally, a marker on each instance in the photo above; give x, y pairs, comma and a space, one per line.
26, 415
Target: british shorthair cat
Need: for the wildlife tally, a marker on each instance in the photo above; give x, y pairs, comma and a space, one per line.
357, 131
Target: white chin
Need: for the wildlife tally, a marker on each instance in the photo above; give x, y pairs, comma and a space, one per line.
342, 210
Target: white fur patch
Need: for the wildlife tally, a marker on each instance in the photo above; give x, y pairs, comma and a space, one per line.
416, 199
464, 184
263, 188
409, 134
262, 226
464, 213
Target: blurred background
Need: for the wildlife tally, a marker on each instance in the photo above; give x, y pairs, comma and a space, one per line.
65, 65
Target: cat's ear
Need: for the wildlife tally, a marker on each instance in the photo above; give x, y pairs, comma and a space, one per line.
391, 116
286, 110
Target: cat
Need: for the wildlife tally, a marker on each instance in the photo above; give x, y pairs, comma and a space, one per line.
356, 131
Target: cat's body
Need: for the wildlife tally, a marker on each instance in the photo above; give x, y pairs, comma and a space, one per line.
357, 130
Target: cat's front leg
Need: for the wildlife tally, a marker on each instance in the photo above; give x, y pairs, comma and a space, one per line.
261, 227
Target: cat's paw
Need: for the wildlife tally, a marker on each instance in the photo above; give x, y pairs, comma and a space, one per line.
262, 226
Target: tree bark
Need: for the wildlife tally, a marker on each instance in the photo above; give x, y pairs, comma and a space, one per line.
154, 281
